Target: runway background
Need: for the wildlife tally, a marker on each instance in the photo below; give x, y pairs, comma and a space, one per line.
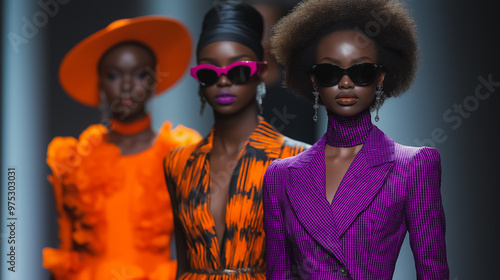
449, 107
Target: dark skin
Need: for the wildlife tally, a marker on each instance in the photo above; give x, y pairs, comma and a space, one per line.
344, 99
234, 123
127, 85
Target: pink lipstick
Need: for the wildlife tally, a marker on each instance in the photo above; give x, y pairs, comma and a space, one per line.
225, 97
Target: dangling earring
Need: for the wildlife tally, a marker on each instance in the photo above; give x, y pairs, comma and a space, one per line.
316, 105
103, 107
203, 102
379, 95
261, 93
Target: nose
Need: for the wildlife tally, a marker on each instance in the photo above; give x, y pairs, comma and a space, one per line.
127, 83
223, 81
346, 82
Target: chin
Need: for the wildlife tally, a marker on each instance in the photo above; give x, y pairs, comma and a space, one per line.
129, 114
347, 111
224, 110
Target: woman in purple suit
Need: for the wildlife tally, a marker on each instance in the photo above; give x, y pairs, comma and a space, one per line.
341, 209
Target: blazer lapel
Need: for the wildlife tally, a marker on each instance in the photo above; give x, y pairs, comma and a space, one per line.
363, 180
303, 189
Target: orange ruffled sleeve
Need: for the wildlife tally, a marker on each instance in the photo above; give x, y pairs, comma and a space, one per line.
66, 157
179, 136
60, 262
63, 160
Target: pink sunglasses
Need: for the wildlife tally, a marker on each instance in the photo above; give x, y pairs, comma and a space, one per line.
238, 73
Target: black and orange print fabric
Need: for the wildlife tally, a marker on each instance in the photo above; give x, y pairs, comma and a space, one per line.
243, 247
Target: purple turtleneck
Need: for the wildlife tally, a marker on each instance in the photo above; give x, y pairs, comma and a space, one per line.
348, 131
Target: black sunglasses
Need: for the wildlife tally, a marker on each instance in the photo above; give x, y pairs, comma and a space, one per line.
329, 75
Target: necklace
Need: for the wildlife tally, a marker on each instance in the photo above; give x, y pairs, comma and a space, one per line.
129, 128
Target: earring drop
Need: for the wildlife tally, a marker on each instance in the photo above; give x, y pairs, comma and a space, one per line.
261, 93
316, 105
203, 102
379, 93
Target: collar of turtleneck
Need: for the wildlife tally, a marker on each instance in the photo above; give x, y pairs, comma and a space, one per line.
348, 131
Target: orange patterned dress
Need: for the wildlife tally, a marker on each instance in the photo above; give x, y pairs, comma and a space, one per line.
187, 171
115, 218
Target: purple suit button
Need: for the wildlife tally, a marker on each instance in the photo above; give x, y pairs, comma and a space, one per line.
343, 271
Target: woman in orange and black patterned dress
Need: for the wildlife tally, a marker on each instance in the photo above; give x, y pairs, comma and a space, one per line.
216, 184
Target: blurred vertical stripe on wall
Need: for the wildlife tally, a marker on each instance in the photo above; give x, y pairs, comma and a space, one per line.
23, 134
1, 83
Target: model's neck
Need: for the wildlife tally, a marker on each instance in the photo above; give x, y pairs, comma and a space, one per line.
348, 131
131, 127
233, 130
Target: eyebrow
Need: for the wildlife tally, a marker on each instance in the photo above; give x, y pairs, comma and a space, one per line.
232, 59
138, 67
113, 68
356, 60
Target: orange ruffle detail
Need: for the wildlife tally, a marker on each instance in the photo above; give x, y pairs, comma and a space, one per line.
60, 262
104, 198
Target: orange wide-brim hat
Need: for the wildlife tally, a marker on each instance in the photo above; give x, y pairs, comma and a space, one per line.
168, 38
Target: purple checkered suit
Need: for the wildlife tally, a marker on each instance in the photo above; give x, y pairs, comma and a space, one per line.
388, 190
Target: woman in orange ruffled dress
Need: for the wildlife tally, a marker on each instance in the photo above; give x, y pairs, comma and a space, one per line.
115, 217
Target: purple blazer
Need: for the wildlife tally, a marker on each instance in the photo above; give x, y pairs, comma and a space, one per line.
389, 189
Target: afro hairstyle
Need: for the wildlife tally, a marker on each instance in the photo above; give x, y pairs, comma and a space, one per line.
387, 22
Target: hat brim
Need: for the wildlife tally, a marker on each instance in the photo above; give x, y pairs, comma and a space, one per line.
168, 38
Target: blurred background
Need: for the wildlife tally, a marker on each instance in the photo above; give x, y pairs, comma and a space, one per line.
451, 107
